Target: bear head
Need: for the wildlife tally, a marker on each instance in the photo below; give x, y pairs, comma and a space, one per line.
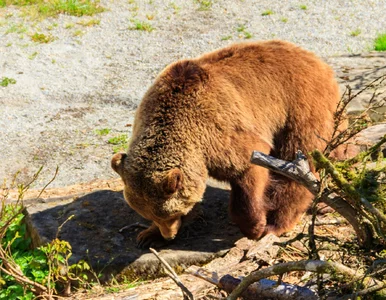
163, 197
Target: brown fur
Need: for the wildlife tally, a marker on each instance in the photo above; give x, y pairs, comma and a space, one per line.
204, 117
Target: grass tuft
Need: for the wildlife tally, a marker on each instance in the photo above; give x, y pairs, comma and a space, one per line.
141, 25
267, 13
355, 32
88, 23
50, 8
204, 4
42, 38
242, 30
380, 42
5, 81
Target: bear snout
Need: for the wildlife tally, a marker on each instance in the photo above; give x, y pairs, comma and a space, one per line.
169, 229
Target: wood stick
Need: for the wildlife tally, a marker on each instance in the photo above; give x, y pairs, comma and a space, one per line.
187, 294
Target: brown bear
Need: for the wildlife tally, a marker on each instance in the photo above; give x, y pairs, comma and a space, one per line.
204, 117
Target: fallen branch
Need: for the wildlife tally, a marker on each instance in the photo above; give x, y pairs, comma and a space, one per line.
187, 294
263, 289
318, 266
298, 170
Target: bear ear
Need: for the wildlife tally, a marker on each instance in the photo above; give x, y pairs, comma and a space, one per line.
117, 162
173, 181
185, 76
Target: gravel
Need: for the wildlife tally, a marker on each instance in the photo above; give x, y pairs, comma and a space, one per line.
93, 77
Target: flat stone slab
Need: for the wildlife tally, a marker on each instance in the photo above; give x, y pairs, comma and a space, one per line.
94, 235
358, 71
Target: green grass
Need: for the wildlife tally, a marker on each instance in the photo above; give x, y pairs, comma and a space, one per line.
16, 28
380, 42
33, 55
141, 25
225, 38
42, 38
175, 7
103, 131
355, 32
5, 81
267, 13
242, 30
303, 7
284, 20
88, 23
49, 8
119, 142
204, 4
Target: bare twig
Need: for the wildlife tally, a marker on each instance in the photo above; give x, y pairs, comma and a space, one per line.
49, 182
136, 224
187, 294
340, 134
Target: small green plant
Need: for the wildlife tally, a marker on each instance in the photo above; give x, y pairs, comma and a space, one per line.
242, 30
204, 4
78, 33
119, 142
42, 38
267, 13
103, 131
284, 20
27, 273
225, 38
69, 25
5, 81
380, 42
33, 55
303, 7
356, 32
16, 28
175, 7
88, 23
141, 25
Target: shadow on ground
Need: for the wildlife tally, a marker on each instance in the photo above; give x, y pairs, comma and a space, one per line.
94, 234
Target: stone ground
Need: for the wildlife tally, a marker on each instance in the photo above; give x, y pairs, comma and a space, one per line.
92, 77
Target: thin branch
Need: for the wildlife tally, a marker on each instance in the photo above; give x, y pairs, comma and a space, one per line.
52, 179
322, 162
372, 289
187, 294
136, 224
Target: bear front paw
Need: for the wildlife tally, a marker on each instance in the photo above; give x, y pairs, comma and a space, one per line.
150, 237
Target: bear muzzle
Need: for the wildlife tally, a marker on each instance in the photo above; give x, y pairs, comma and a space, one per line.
169, 229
